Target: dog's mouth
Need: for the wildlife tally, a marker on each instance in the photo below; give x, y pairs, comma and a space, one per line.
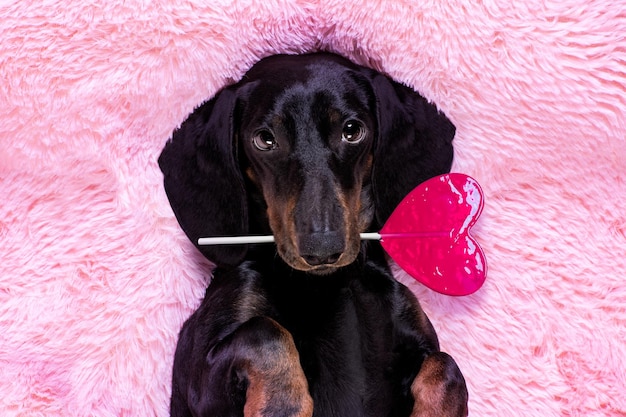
319, 253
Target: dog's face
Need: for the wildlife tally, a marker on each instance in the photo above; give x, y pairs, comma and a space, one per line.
313, 147
307, 137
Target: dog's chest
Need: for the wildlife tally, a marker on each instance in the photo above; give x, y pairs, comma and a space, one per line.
344, 338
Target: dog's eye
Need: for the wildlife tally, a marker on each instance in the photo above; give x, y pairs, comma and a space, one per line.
353, 131
264, 140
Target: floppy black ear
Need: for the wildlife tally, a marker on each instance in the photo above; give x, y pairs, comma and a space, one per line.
202, 178
414, 144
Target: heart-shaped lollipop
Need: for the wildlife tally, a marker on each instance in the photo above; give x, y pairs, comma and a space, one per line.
427, 235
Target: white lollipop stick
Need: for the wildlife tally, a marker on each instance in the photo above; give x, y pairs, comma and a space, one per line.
240, 240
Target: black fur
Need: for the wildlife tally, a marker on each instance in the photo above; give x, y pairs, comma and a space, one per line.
278, 153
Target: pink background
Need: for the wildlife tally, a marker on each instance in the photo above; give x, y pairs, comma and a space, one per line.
96, 277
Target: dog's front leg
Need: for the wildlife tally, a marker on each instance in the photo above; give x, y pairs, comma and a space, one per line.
439, 388
260, 358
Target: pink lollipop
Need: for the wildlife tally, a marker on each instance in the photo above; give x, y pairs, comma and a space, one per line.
427, 235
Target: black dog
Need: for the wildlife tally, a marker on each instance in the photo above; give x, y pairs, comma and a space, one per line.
314, 150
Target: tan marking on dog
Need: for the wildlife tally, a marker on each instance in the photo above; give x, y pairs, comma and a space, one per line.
252, 175
434, 395
351, 205
282, 223
276, 377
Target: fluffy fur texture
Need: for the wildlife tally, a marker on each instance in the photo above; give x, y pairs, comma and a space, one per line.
96, 276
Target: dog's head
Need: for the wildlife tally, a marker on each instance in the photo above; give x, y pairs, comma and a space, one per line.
311, 148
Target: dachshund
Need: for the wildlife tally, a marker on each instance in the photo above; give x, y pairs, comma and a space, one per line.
313, 149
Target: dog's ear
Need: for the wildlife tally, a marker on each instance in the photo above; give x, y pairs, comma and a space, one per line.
414, 144
202, 178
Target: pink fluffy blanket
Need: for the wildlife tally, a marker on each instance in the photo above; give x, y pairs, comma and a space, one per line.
96, 277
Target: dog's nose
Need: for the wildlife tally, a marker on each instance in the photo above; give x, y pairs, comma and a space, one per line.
321, 248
